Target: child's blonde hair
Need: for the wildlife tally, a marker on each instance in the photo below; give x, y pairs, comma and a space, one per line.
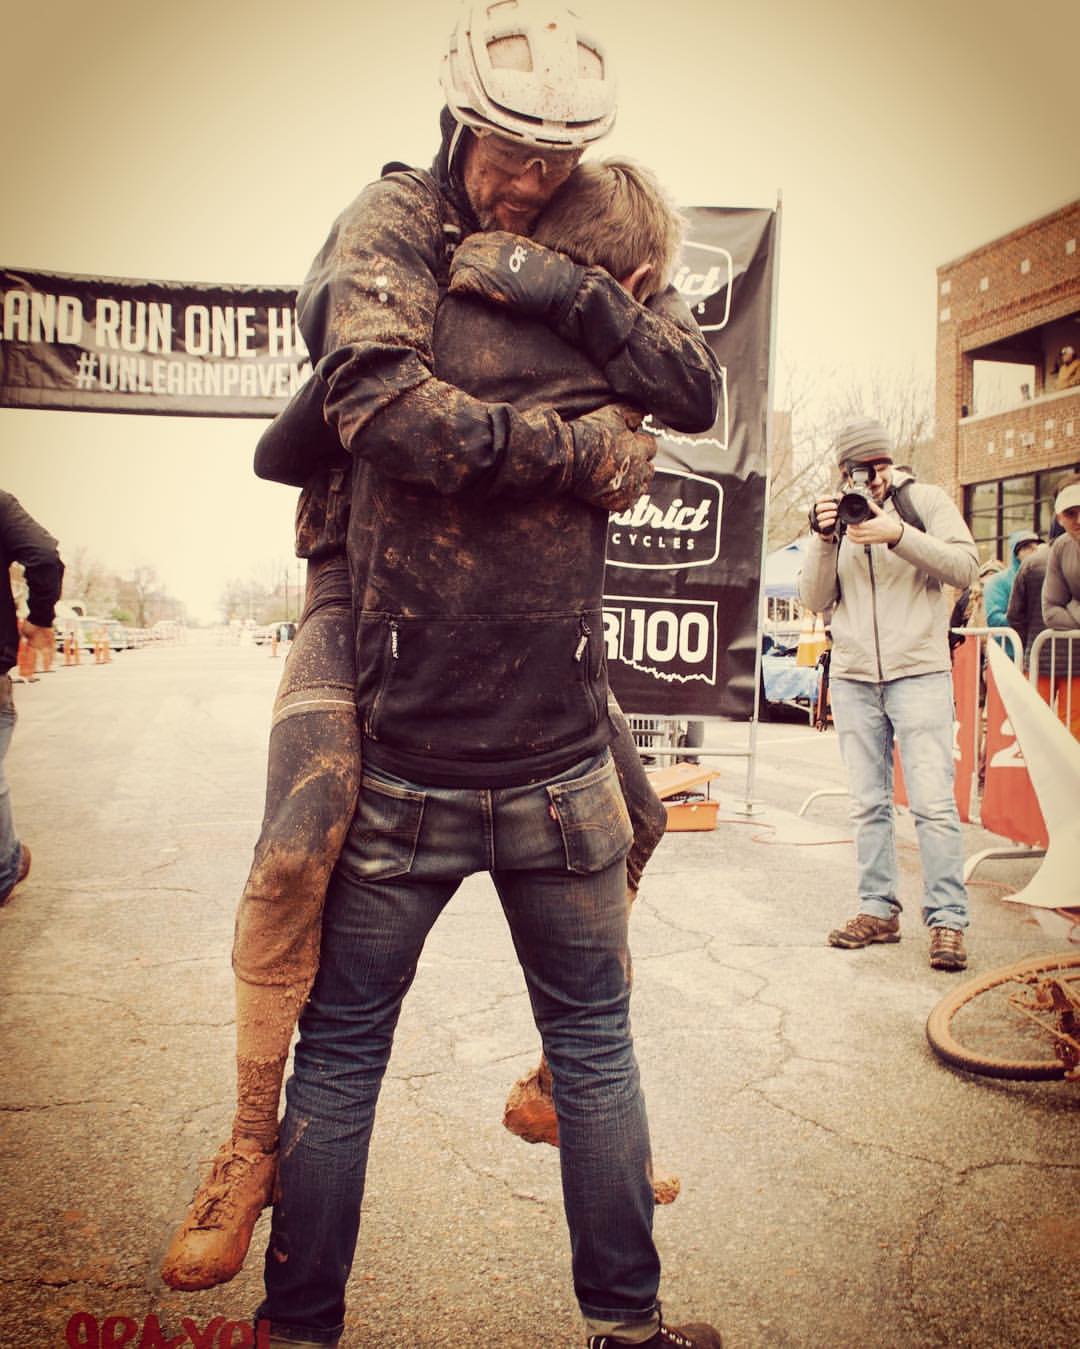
613, 213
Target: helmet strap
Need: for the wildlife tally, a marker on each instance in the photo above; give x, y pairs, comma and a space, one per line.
455, 141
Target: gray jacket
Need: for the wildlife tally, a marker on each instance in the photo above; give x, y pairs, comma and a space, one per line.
1061, 588
890, 614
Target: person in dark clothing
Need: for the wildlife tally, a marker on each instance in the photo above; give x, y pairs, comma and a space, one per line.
1025, 599
660, 361
23, 540
480, 684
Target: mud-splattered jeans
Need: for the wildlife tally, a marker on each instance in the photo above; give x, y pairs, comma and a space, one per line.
555, 851
311, 785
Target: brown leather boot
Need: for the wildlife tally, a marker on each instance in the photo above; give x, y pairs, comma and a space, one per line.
947, 949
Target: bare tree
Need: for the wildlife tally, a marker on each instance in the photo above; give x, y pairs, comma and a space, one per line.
138, 597
87, 580
249, 599
904, 402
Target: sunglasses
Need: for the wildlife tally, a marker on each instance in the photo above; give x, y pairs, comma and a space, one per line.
515, 160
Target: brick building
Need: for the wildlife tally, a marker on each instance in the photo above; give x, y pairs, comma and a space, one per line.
1006, 433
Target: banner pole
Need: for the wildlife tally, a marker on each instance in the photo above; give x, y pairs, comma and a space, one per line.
749, 806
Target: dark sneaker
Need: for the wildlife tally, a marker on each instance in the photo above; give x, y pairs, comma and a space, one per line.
863, 930
696, 1335
21, 874
211, 1244
947, 949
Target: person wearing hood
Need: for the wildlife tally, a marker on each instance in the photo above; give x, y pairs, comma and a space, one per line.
998, 588
460, 705
890, 679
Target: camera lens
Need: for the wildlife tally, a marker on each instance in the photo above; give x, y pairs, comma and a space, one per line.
853, 508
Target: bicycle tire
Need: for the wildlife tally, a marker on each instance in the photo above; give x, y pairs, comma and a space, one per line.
941, 1033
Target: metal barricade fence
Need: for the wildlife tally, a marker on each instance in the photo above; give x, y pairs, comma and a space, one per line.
655, 735
1054, 669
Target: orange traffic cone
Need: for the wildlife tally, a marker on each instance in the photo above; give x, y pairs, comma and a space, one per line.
26, 659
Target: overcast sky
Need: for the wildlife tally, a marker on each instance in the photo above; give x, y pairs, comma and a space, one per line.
217, 141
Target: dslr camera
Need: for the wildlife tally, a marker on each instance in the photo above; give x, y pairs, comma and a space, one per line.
853, 504
853, 508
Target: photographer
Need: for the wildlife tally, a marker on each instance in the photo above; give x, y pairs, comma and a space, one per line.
883, 561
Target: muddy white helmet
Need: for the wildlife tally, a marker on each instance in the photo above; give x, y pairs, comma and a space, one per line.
528, 70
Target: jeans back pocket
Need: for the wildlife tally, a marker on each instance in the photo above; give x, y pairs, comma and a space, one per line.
593, 818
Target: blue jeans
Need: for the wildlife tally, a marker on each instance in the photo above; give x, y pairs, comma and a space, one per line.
918, 713
10, 850
555, 851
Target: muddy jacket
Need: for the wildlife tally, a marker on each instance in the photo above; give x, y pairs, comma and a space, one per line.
891, 614
23, 540
477, 574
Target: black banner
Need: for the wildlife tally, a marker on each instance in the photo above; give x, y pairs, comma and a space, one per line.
681, 592
104, 344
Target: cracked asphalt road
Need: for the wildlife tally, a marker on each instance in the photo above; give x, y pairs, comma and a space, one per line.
840, 1187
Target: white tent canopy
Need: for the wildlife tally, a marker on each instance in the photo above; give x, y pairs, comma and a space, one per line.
780, 578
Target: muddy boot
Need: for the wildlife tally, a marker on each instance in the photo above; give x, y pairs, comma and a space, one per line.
665, 1188
212, 1242
530, 1113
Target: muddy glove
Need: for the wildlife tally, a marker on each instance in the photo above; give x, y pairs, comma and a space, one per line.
612, 458
510, 270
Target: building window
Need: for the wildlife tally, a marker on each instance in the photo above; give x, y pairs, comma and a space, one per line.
993, 510
997, 385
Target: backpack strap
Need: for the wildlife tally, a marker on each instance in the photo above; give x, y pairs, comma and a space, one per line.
905, 505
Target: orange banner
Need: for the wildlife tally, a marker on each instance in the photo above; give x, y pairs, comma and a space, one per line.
1009, 804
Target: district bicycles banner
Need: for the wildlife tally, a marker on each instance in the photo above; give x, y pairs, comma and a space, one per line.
104, 344
681, 603
684, 563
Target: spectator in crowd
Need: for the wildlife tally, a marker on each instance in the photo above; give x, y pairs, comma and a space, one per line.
23, 540
891, 679
976, 614
1061, 588
1067, 368
998, 588
1061, 594
1025, 613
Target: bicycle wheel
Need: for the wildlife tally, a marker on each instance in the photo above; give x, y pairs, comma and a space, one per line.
977, 1026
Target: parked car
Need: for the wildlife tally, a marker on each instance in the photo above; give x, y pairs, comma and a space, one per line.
89, 631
